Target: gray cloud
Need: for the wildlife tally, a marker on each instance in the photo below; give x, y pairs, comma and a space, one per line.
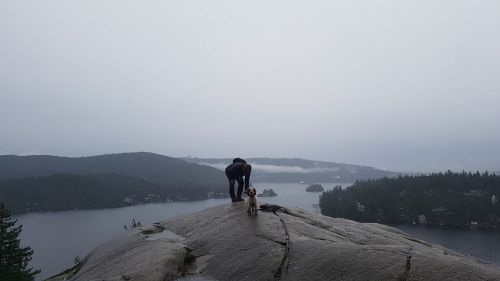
399, 85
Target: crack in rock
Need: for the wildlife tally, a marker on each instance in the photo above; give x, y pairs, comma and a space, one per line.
323, 239
285, 262
271, 239
189, 262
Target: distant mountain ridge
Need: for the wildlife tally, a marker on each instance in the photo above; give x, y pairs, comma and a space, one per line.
297, 169
149, 166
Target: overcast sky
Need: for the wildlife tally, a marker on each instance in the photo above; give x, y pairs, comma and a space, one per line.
399, 85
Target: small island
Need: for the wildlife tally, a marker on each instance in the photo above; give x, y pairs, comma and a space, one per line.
267, 193
315, 188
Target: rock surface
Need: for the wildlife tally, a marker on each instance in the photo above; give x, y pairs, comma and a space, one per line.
223, 243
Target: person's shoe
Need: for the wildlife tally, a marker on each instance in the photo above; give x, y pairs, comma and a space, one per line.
239, 199
234, 200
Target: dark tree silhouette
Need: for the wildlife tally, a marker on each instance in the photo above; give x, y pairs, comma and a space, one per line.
14, 258
443, 198
67, 192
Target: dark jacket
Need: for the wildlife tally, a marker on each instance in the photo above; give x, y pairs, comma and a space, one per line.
235, 172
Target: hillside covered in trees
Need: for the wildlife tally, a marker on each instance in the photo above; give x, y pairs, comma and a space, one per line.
69, 192
459, 199
51, 183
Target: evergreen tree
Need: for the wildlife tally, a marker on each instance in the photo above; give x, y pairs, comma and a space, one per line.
14, 259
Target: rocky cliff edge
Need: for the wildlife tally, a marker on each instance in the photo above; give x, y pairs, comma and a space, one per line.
223, 243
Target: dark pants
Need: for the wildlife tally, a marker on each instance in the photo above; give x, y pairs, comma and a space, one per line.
231, 187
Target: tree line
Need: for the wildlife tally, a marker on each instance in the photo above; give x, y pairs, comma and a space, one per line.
68, 191
459, 199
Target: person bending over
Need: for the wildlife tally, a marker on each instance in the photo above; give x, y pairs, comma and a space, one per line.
235, 172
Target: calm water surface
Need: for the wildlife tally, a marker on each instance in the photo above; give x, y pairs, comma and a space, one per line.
58, 237
481, 244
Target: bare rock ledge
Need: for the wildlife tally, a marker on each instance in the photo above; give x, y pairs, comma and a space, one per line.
223, 243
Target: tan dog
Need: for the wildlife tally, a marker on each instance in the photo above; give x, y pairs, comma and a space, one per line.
252, 202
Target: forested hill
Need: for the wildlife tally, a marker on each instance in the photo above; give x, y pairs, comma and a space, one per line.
459, 199
67, 192
152, 167
296, 170
51, 183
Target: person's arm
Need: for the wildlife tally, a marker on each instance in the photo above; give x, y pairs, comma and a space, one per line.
247, 170
247, 181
